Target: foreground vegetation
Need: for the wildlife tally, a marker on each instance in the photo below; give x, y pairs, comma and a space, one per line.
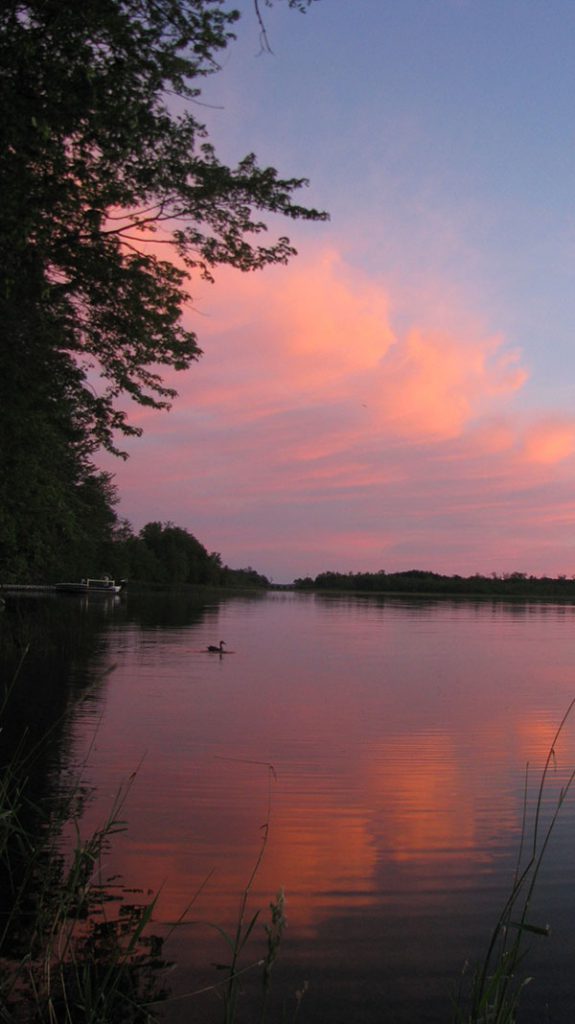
76, 945
497, 984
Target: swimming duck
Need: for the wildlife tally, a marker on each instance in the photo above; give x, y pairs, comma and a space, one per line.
217, 650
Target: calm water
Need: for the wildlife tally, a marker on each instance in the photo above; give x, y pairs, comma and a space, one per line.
398, 731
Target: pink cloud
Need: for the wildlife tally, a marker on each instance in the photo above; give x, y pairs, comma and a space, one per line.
314, 431
326, 330
433, 382
550, 441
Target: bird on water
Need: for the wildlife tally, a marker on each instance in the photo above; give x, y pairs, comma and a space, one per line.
217, 650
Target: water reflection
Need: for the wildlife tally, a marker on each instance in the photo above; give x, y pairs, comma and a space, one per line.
398, 731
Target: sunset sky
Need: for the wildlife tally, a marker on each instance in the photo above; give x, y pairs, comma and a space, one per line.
403, 394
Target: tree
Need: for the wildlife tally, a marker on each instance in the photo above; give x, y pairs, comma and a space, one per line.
168, 555
98, 160
56, 511
180, 557
298, 5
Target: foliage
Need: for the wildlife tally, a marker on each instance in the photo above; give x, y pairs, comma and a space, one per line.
56, 510
169, 556
101, 157
298, 5
113, 201
248, 577
82, 536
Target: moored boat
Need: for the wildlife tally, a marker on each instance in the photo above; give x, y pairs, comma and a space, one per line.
105, 586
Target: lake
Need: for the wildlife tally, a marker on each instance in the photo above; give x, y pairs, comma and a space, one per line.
380, 744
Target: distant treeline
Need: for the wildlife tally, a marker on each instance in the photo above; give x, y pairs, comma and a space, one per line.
419, 581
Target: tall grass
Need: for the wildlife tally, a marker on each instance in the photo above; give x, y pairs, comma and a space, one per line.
500, 980
71, 948
240, 962
75, 946
244, 927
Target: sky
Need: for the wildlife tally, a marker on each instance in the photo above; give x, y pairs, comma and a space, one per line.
402, 395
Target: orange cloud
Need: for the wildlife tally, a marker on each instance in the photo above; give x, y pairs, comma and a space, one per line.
318, 341
434, 383
323, 409
549, 442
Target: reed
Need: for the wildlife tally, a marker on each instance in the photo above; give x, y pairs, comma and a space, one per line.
500, 980
73, 950
236, 968
70, 949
